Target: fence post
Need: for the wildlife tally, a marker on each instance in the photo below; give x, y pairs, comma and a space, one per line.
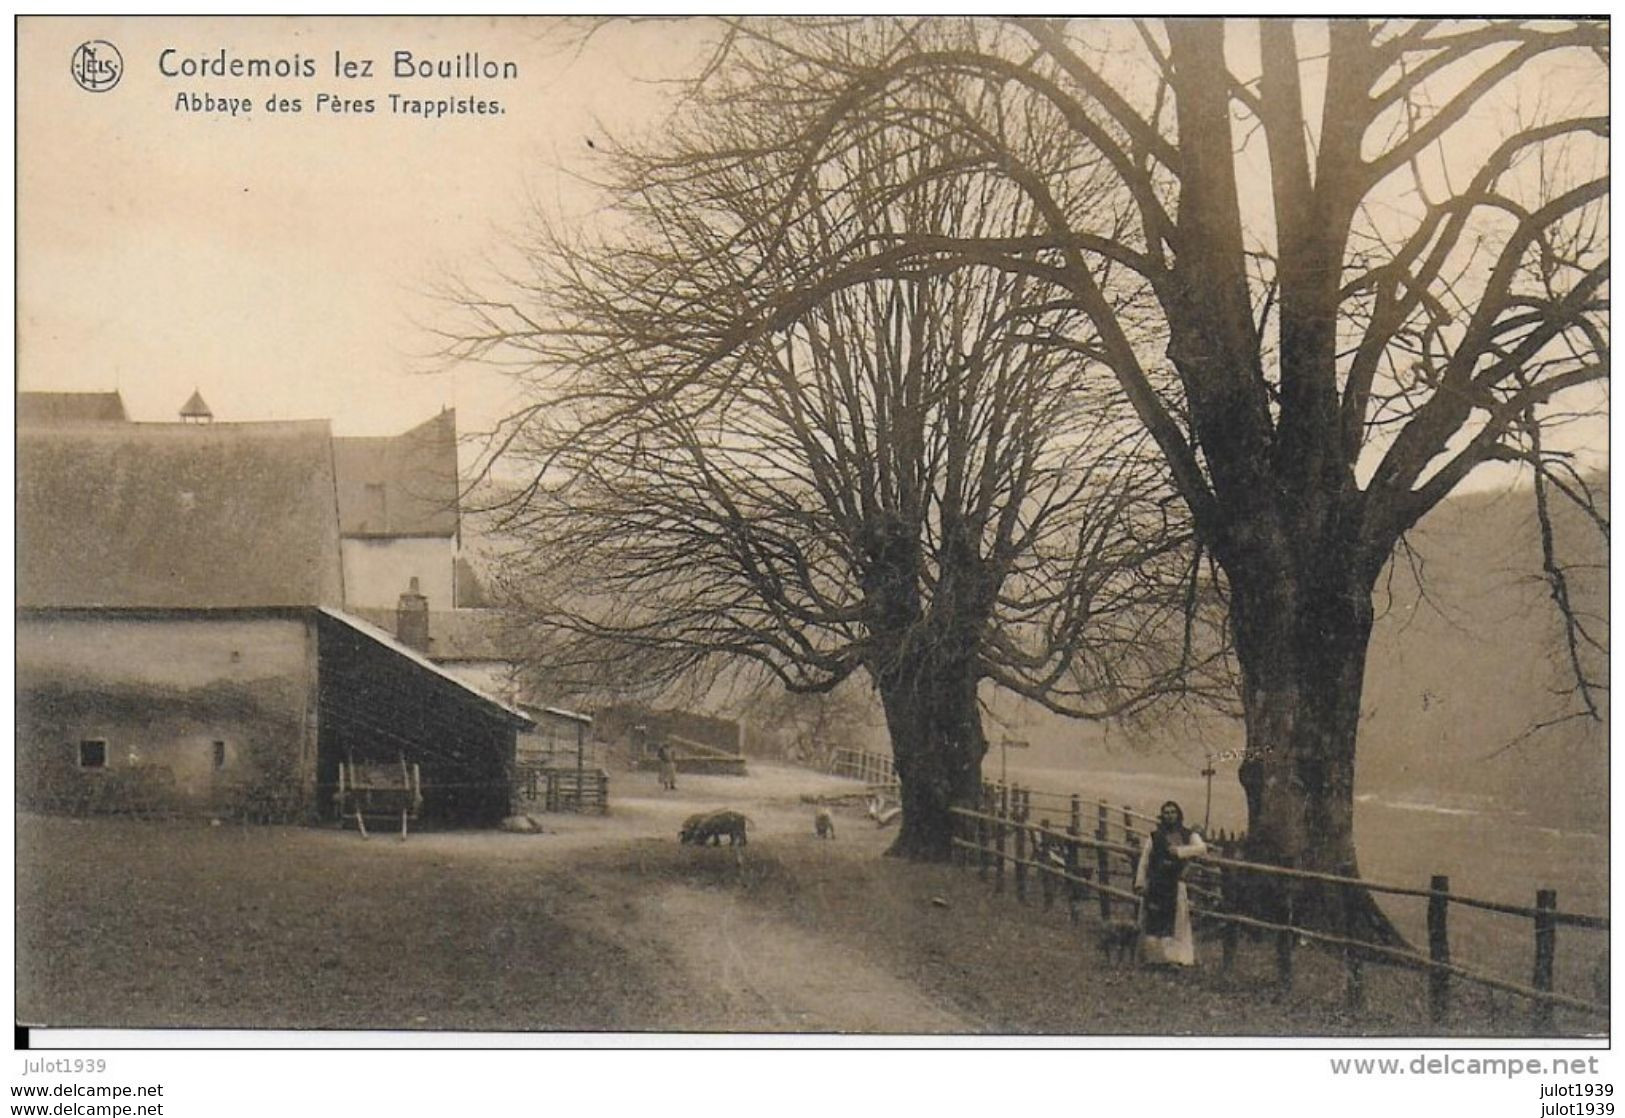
1286, 942
1228, 901
1128, 825
1021, 861
1438, 946
1074, 828
1103, 869
1041, 855
1354, 990
1545, 954
981, 832
998, 842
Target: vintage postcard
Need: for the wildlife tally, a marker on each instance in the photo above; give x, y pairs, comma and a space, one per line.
843, 529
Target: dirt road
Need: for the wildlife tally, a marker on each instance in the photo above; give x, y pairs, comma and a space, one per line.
755, 970
772, 976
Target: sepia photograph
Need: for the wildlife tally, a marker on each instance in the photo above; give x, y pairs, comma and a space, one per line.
821, 531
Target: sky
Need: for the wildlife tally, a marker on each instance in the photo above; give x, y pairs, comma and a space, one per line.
284, 264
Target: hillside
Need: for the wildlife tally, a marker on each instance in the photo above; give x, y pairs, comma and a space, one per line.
1458, 675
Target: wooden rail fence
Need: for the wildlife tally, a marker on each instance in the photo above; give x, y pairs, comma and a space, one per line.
564, 789
860, 764
1002, 839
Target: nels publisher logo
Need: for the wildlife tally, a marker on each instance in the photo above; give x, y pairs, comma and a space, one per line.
97, 66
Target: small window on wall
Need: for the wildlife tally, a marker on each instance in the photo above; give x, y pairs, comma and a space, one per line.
93, 753
218, 752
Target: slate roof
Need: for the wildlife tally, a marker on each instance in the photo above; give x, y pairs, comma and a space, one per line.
176, 515
69, 407
400, 485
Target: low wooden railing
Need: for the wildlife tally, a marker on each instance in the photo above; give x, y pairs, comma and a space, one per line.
860, 764
563, 788
1002, 838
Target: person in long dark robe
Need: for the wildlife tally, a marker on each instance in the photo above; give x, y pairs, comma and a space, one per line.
1165, 916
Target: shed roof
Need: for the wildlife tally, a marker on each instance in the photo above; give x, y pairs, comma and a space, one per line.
68, 407
400, 485
384, 638
175, 515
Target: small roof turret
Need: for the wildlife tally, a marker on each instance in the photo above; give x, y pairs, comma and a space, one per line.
195, 410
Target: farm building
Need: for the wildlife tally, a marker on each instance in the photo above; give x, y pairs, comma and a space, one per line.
557, 737
70, 407
398, 515
183, 641
471, 644
723, 735
400, 530
699, 742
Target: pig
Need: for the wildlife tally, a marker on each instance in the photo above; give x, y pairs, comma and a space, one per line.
690, 827
699, 830
824, 823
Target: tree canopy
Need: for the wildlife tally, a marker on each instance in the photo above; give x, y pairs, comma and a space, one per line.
1332, 269
927, 477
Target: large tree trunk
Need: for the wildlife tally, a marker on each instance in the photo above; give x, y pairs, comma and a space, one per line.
1301, 639
926, 665
937, 744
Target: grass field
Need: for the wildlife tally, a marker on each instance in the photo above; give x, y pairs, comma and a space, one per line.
608, 924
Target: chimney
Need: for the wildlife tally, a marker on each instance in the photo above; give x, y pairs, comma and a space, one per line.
412, 618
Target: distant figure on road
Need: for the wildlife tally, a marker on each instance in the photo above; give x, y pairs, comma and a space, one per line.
668, 767
1165, 914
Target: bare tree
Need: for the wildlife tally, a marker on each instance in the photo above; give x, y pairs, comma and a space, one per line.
927, 477
1374, 253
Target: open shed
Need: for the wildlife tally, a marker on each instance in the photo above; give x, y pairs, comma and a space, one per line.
380, 701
